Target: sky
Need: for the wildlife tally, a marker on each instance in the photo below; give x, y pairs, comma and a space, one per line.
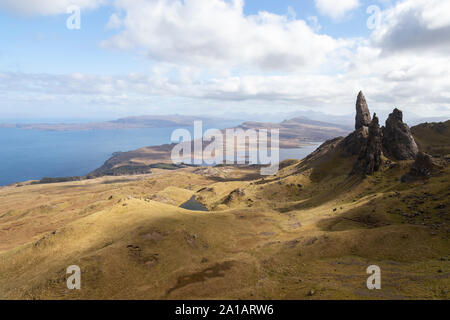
221, 57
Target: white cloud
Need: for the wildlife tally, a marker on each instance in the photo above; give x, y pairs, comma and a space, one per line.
314, 22
114, 22
47, 7
387, 81
217, 34
209, 53
419, 25
336, 9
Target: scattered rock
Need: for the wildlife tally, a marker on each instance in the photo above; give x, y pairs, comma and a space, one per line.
292, 244
267, 234
191, 239
311, 241
234, 195
134, 250
153, 260
133, 247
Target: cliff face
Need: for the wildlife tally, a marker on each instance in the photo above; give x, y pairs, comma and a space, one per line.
356, 141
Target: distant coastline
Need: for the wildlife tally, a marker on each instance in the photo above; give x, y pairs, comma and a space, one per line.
73, 150
138, 122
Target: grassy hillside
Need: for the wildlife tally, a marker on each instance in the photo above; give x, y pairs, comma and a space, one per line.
433, 138
308, 232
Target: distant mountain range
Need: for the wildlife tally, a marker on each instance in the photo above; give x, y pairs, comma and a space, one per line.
297, 131
163, 121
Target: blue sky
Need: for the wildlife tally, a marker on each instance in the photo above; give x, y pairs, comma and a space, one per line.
214, 56
44, 44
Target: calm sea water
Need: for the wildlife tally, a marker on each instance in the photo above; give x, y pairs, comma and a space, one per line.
32, 154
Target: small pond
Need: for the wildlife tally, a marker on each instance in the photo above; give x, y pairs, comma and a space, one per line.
193, 205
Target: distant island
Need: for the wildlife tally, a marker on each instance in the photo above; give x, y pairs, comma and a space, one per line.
137, 122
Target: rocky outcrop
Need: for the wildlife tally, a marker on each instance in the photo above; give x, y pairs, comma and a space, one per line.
357, 140
374, 147
369, 160
362, 112
369, 145
423, 168
398, 141
235, 194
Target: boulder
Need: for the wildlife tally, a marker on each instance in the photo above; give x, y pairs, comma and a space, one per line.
423, 168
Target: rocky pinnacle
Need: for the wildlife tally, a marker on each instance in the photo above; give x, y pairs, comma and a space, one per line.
370, 156
374, 149
397, 138
362, 112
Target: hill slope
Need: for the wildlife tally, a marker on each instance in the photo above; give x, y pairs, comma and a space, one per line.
308, 232
433, 138
276, 238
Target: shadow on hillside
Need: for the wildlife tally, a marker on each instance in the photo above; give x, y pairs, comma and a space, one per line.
358, 218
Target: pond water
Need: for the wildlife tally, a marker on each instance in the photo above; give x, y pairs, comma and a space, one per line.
193, 205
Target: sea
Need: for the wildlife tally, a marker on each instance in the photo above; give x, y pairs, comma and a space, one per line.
34, 154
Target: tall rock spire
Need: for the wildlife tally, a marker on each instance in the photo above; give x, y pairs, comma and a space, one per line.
362, 112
